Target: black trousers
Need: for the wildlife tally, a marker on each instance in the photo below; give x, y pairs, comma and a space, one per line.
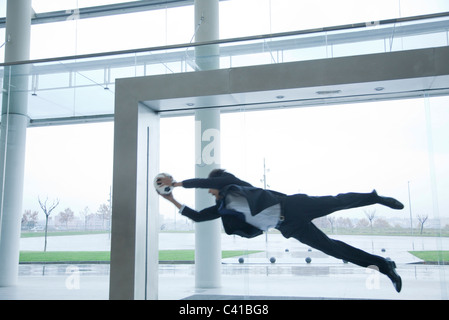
299, 210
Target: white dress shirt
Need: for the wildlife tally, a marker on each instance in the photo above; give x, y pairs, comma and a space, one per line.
264, 220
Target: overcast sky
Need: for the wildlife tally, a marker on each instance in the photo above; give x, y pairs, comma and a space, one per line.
316, 150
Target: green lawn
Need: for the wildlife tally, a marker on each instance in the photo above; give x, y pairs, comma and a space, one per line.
101, 256
432, 256
174, 255
29, 234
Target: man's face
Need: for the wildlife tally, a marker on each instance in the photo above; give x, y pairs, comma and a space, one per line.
215, 193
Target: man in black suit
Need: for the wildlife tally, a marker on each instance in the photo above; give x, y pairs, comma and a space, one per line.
247, 211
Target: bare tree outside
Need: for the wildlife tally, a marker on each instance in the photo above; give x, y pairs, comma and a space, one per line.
371, 215
66, 216
331, 221
422, 219
47, 209
85, 214
104, 213
29, 219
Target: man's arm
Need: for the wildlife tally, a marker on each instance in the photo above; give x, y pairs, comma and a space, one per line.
206, 183
214, 183
206, 214
172, 199
203, 215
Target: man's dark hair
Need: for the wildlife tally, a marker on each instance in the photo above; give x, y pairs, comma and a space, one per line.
218, 173
221, 173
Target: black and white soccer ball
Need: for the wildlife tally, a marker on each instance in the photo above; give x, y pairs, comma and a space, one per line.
161, 188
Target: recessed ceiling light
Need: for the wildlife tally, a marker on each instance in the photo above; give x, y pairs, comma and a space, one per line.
379, 88
280, 97
190, 104
328, 92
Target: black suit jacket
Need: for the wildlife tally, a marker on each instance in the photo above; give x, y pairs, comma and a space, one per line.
258, 200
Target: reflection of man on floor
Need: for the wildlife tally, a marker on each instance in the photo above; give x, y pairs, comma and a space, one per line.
247, 211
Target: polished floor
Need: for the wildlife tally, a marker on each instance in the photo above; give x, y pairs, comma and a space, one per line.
239, 281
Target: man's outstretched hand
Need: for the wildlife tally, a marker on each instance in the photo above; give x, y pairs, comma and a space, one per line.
172, 199
168, 197
165, 181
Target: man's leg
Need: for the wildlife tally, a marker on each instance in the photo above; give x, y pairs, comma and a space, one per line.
314, 207
309, 234
317, 239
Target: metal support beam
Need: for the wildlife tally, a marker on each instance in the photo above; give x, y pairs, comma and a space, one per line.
104, 10
135, 204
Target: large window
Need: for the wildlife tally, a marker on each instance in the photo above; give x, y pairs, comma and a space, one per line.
397, 147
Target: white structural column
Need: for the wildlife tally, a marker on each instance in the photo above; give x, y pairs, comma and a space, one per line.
14, 124
207, 144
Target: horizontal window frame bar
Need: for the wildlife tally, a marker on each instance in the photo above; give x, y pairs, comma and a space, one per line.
233, 40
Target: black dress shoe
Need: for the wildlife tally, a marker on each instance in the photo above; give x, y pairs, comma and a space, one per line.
389, 202
393, 275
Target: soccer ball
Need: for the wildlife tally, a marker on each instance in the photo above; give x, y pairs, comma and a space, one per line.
158, 185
